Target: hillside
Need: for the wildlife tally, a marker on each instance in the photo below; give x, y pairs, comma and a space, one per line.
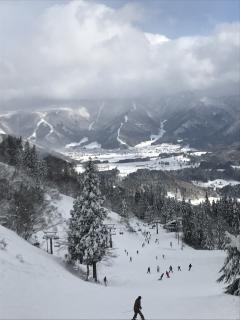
37, 285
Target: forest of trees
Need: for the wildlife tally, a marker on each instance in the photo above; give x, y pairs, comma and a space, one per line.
22, 196
143, 193
25, 175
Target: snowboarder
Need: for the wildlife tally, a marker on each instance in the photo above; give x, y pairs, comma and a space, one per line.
148, 270
189, 267
171, 244
161, 276
167, 274
158, 269
179, 268
105, 280
171, 269
137, 309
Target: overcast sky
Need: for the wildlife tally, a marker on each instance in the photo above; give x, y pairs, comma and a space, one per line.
69, 50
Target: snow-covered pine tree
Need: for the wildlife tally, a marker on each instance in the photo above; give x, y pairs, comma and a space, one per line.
188, 226
207, 226
124, 211
231, 267
87, 232
219, 226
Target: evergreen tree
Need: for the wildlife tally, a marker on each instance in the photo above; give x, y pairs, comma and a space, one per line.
188, 223
219, 226
231, 267
124, 210
87, 233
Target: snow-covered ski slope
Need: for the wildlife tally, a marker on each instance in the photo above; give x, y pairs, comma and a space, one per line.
39, 286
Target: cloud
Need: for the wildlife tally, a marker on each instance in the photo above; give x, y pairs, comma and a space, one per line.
81, 49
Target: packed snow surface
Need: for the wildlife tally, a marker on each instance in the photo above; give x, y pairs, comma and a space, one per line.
35, 284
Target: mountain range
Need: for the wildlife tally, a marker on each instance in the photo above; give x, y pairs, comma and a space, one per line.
188, 118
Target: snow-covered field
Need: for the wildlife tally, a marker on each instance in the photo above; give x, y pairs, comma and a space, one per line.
35, 284
217, 183
179, 160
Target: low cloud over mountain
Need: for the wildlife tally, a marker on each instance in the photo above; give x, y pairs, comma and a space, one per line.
82, 49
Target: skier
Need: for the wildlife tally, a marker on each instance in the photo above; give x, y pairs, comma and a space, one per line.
137, 309
167, 274
148, 270
163, 256
189, 267
137, 251
105, 280
171, 244
156, 257
171, 269
158, 269
130, 259
179, 268
161, 276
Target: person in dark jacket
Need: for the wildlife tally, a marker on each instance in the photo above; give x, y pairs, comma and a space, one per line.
137, 309
105, 280
189, 267
161, 276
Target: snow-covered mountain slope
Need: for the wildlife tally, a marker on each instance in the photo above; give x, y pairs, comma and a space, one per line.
205, 122
37, 285
54, 127
196, 120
